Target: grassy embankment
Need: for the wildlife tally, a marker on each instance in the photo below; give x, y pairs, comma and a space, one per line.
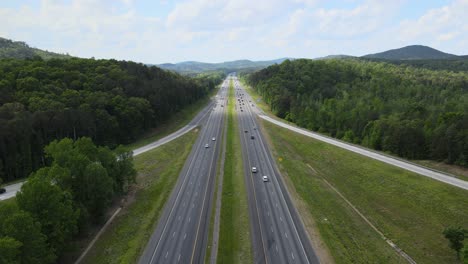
177, 121
454, 170
234, 238
409, 209
158, 171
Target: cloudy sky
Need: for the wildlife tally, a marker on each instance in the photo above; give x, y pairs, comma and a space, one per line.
157, 31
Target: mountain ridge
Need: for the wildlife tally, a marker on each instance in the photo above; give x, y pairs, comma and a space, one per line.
20, 50
412, 52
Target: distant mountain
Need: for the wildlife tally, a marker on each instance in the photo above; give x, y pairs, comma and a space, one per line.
21, 50
414, 52
195, 66
339, 56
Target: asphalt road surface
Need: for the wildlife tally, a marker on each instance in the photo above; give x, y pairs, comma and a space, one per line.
368, 153
182, 232
12, 189
277, 232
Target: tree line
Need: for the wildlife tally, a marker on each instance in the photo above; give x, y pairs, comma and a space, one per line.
112, 102
415, 113
61, 200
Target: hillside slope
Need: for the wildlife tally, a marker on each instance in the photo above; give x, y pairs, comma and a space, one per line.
414, 52
195, 66
21, 50
414, 113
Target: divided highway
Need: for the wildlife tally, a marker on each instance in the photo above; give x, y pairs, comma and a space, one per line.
182, 232
277, 231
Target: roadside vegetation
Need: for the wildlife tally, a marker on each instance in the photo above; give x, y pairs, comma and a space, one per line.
158, 171
60, 201
414, 113
234, 239
112, 102
411, 210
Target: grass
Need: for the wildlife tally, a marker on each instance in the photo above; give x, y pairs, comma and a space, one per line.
177, 121
234, 238
457, 171
158, 171
409, 209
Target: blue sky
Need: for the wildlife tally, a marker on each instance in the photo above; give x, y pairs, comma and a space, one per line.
160, 31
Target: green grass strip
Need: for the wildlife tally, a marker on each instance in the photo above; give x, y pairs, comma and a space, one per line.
158, 171
234, 238
409, 209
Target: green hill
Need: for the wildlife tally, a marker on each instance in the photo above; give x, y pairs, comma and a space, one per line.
195, 66
414, 52
21, 50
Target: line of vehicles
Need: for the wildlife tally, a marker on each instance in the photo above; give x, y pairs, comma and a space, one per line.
240, 101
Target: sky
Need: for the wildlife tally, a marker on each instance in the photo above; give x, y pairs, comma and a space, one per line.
159, 31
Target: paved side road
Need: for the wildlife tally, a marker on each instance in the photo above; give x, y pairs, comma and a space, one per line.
12, 189
389, 160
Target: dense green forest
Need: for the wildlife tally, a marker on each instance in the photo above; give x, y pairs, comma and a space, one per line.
112, 102
458, 64
62, 200
412, 112
21, 50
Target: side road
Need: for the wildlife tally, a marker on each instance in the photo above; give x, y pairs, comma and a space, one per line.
392, 161
12, 189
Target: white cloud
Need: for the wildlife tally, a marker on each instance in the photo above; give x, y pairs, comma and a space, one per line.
439, 27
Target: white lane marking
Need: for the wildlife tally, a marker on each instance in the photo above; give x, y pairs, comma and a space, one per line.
167, 253
185, 235
286, 234
292, 254
193, 205
189, 219
173, 234
277, 248
276, 204
180, 217
178, 259
196, 194
281, 219
271, 229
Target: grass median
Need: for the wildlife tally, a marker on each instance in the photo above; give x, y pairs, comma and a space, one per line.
158, 171
234, 238
407, 208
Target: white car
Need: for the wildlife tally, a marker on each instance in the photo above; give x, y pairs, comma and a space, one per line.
207, 146
265, 178
254, 169
213, 139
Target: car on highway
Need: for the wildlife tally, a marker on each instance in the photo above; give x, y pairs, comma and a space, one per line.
2, 190
207, 146
254, 169
265, 178
255, 128
245, 131
252, 137
213, 139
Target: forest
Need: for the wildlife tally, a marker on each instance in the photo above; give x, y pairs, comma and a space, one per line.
415, 113
112, 102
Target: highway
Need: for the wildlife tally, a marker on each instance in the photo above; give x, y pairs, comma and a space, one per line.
181, 234
12, 189
371, 154
278, 235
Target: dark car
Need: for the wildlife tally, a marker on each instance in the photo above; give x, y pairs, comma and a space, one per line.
252, 137
2, 190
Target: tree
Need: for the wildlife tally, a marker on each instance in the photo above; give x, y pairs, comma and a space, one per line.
51, 207
9, 250
20, 226
455, 237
